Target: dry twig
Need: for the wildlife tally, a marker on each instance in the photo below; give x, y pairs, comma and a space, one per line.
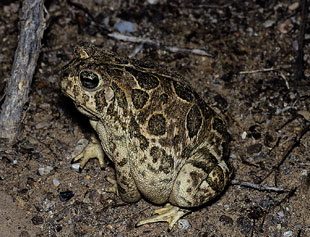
299, 73
288, 151
172, 49
257, 186
32, 25
265, 69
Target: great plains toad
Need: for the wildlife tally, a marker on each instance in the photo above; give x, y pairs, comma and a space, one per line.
166, 143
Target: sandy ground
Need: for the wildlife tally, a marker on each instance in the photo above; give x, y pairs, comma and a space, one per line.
13, 220
249, 77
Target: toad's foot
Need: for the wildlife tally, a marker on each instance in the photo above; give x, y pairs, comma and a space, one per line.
169, 213
112, 189
92, 150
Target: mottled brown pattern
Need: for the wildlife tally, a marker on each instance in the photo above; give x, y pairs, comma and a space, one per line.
183, 91
123, 162
155, 153
161, 160
164, 98
216, 182
219, 126
139, 98
193, 121
143, 142
145, 80
167, 144
100, 100
157, 125
120, 97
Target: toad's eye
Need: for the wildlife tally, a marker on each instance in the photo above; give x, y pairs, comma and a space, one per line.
90, 80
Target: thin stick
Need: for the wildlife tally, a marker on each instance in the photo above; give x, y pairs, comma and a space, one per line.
258, 70
257, 186
32, 26
172, 49
299, 74
289, 149
265, 69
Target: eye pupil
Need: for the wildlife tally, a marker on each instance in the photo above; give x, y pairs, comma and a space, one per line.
89, 79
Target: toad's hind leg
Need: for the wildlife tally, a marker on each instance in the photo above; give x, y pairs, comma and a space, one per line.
201, 179
169, 213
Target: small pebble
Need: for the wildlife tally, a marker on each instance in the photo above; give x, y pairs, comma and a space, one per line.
184, 224
285, 26
226, 220
14, 162
288, 233
245, 225
56, 182
37, 220
304, 172
48, 205
66, 196
293, 6
152, 1
287, 171
280, 214
295, 45
31, 181
255, 148
24, 234
110, 227
58, 228
125, 27
75, 166
243, 135
41, 125
45, 171
268, 23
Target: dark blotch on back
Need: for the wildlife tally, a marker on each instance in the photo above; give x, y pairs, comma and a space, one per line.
134, 131
143, 141
183, 91
166, 163
218, 183
157, 125
155, 153
219, 126
195, 178
194, 121
120, 97
139, 98
208, 165
145, 80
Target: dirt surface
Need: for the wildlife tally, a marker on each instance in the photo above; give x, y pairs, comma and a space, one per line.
14, 221
249, 77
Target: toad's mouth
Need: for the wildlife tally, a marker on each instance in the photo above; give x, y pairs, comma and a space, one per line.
86, 111
82, 108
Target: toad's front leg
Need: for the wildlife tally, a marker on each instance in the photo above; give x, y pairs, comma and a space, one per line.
92, 150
